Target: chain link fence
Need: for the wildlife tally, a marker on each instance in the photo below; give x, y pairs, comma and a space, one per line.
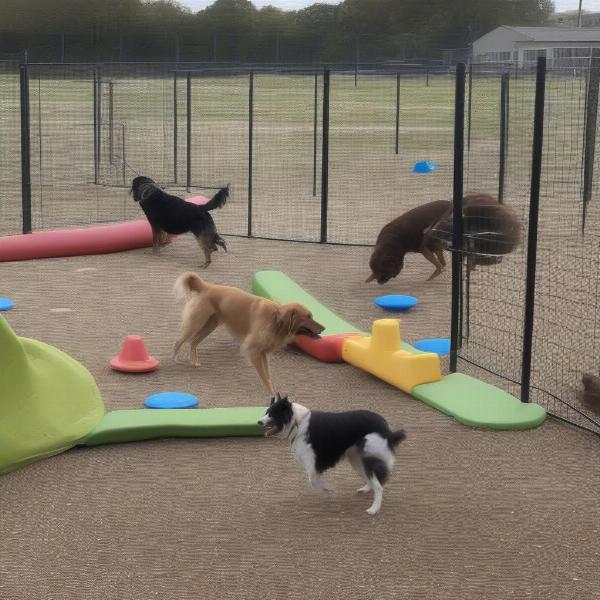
328, 155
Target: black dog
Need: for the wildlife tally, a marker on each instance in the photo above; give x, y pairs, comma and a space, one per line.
169, 214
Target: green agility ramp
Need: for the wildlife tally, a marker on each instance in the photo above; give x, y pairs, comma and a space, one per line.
478, 404
48, 401
137, 425
277, 286
468, 400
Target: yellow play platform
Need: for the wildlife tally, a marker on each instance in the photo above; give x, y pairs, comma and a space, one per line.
381, 355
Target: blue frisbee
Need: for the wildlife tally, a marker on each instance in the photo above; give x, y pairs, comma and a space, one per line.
440, 346
6, 304
171, 400
425, 166
395, 302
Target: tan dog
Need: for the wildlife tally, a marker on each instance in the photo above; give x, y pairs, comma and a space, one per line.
262, 325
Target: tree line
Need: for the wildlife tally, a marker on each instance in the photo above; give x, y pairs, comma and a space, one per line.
235, 30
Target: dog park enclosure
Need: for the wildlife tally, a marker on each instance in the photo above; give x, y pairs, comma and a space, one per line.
326, 155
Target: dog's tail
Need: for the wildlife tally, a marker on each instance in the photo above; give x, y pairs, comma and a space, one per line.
395, 437
218, 200
187, 284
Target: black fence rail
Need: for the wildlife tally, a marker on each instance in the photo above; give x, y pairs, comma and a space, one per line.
327, 155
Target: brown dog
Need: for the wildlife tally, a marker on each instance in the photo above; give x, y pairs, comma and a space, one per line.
406, 234
490, 230
262, 325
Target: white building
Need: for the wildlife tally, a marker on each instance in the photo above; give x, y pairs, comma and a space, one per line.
562, 46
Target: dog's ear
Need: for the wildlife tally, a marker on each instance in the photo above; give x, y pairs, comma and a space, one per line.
272, 402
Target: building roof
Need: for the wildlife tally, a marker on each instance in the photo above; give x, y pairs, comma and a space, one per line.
558, 34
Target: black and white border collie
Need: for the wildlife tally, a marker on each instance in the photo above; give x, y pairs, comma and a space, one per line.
319, 440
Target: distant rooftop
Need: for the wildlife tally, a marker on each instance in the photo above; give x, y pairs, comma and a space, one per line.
559, 34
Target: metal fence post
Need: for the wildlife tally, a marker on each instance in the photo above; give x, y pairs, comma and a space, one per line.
188, 177
25, 149
589, 142
504, 82
99, 117
315, 121
325, 157
110, 121
250, 147
534, 202
123, 152
457, 216
470, 107
175, 127
356, 58
95, 111
397, 112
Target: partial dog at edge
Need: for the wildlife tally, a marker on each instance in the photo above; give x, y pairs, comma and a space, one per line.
263, 326
168, 214
319, 440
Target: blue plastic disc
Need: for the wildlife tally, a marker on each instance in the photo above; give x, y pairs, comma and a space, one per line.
440, 346
425, 166
395, 302
171, 400
6, 304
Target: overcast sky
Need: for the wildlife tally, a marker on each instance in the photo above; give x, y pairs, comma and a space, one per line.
293, 4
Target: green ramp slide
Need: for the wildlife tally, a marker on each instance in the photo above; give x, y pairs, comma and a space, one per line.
468, 400
147, 424
48, 401
478, 404
277, 286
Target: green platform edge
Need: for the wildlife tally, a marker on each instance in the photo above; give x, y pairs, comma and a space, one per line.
468, 400
277, 286
147, 424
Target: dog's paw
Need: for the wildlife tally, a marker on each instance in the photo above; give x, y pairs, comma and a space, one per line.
365, 489
372, 511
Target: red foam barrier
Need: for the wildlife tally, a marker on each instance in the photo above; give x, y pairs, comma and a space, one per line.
327, 348
101, 239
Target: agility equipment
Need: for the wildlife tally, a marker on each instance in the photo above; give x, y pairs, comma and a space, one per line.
440, 346
479, 404
381, 355
395, 302
6, 304
102, 239
425, 166
134, 357
277, 286
171, 400
468, 400
48, 401
136, 425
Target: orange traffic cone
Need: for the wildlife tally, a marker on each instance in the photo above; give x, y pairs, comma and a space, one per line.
133, 357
